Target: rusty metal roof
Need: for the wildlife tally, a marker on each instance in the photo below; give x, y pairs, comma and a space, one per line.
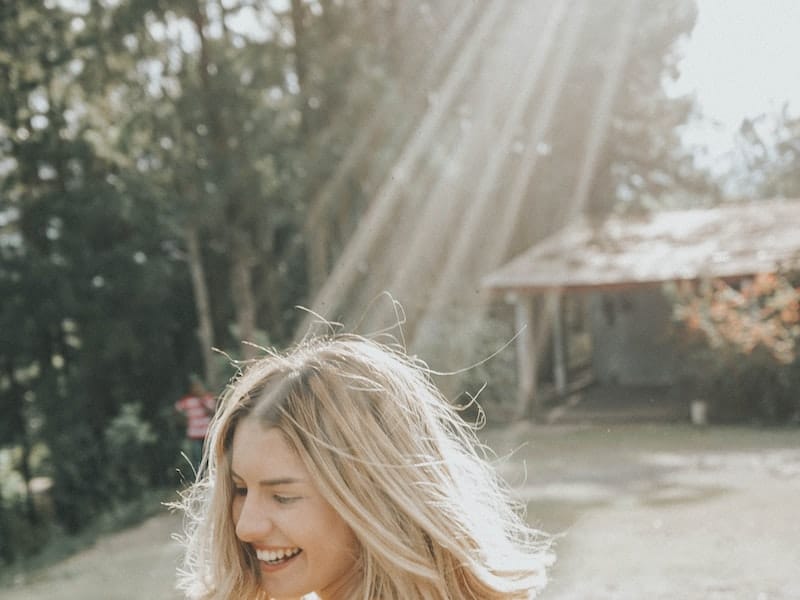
729, 241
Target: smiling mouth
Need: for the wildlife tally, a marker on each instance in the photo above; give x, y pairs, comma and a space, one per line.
277, 557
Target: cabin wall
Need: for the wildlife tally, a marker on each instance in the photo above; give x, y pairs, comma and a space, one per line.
631, 342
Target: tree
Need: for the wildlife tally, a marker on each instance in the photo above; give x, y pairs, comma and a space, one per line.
88, 286
235, 116
768, 152
645, 165
156, 165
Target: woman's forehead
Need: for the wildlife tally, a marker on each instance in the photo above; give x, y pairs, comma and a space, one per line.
264, 453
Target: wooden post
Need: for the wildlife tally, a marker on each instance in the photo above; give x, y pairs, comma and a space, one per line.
559, 345
527, 398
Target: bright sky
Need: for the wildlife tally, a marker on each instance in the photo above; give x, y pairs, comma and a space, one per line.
743, 60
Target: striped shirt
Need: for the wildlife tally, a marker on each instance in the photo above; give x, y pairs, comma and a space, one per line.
198, 411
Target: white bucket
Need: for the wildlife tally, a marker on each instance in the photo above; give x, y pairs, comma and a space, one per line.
698, 412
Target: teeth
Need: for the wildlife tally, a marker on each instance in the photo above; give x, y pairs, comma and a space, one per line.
276, 555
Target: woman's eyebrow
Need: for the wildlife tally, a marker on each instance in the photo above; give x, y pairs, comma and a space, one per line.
280, 481
271, 482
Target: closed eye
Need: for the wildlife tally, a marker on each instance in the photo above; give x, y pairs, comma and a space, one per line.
285, 499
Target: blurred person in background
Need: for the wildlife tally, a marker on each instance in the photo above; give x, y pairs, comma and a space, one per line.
197, 406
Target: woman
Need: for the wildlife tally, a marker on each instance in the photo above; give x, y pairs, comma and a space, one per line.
337, 469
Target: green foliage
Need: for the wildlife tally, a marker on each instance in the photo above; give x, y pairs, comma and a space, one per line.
96, 310
754, 388
19, 536
742, 346
768, 152
123, 127
80, 487
479, 357
645, 166
129, 441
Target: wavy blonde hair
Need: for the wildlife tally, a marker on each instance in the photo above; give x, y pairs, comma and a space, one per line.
391, 456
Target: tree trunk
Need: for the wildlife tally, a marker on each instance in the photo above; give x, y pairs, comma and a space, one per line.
527, 359
241, 259
318, 245
25, 469
205, 329
243, 297
301, 61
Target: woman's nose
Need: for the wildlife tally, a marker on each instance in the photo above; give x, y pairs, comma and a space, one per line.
253, 523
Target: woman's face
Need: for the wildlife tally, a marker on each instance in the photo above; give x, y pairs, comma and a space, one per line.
301, 542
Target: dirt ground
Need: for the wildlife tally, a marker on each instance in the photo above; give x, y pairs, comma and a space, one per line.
640, 511
664, 512
135, 564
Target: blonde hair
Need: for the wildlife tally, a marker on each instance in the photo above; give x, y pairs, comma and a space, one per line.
391, 456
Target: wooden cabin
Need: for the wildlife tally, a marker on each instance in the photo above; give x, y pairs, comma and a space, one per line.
618, 268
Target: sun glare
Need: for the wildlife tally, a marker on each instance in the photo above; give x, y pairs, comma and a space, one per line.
742, 59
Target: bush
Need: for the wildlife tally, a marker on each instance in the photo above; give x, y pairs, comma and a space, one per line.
80, 484
473, 348
747, 387
24, 522
129, 440
20, 535
742, 346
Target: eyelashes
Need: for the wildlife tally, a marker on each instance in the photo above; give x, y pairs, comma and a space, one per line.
285, 499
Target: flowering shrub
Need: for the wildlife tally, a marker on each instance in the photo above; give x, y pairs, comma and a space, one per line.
743, 341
